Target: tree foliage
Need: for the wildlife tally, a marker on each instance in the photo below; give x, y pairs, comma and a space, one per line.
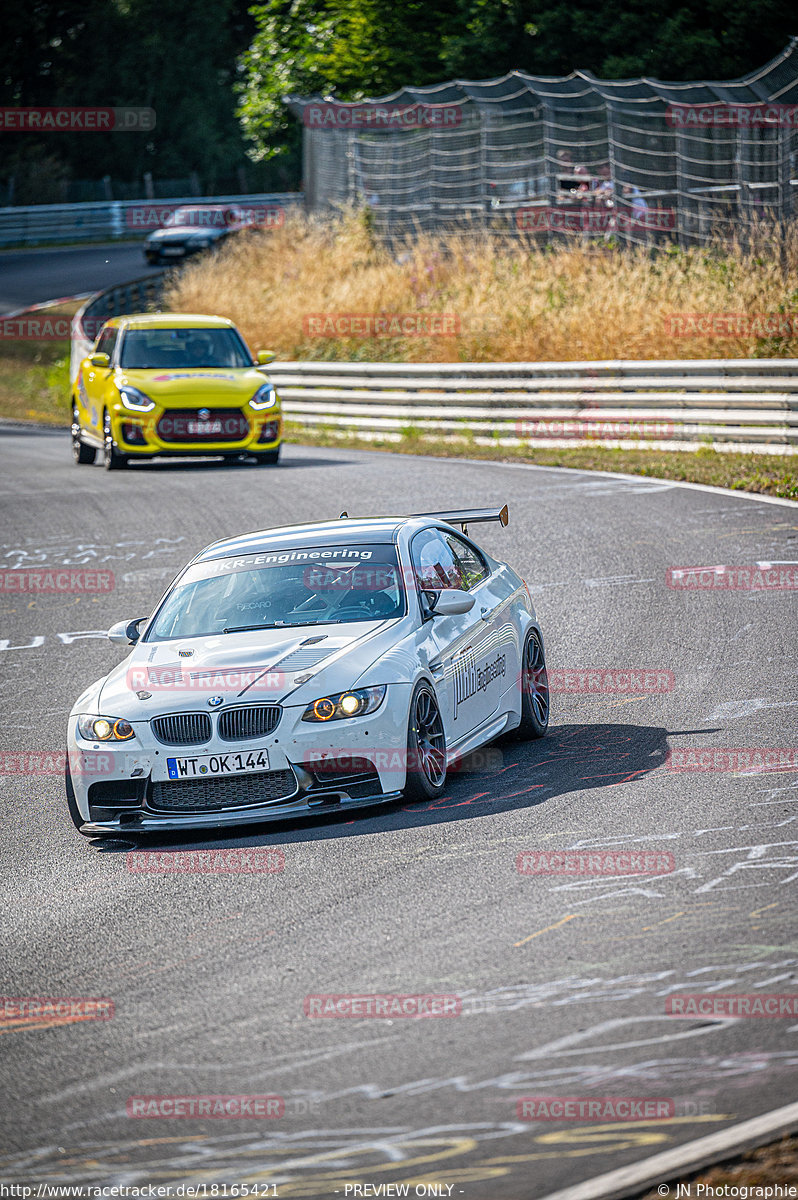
217, 72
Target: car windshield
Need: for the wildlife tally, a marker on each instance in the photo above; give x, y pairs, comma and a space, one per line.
280, 588
176, 348
200, 218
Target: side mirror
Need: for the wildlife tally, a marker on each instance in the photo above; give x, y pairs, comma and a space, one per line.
125, 633
99, 360
265, 356
451, 602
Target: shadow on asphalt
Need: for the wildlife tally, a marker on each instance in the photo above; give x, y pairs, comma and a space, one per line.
502, 777
165, 466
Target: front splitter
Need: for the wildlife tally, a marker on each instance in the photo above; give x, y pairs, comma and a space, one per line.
146, 822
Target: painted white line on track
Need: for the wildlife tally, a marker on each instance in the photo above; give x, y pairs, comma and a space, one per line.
693, 1156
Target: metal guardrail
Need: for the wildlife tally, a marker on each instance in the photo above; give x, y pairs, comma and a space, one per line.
39, 224
140, 295
735, 404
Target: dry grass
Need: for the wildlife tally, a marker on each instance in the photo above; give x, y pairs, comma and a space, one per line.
768, 1166
514, 302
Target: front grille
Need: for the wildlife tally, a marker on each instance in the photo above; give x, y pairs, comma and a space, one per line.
229, 791
182, 729
174, 425
239, 724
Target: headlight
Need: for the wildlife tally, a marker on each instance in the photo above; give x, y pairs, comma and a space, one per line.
345, 704
135, 400
265, 397
105, 729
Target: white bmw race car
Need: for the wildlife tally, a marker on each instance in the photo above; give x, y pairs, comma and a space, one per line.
304, 669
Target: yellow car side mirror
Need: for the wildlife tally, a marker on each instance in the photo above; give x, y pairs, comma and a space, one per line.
99, 360
264, 356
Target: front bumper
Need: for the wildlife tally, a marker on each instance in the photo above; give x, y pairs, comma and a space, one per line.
136, 435
310, 770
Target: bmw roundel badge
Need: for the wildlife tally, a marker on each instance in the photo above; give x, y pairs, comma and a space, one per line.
215, 701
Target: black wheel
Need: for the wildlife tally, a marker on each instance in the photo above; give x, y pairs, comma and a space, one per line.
534, 689
81, 453
268, 456
72, 804
426, 746
112, 459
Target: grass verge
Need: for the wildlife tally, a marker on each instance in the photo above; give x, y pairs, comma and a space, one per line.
768, 474
34, 376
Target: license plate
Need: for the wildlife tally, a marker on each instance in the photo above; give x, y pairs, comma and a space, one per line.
172, 250
205, 426
217, 764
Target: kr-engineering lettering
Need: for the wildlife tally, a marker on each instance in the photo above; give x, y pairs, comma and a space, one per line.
470, 678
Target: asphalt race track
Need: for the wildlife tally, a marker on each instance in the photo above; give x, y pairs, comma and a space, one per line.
32, 276
563, 980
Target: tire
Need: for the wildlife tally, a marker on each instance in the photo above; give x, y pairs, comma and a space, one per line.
81, 453
72, 804
535, 706
112, 459
268, 457
426, 746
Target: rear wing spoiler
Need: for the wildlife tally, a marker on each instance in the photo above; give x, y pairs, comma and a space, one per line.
467, 516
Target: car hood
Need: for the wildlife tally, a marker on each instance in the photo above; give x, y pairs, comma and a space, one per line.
180, 233
266, 667
174, 388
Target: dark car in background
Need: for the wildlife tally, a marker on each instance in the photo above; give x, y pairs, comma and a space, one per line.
193, 228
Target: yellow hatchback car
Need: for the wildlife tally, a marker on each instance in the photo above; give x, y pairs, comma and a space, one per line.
160, 384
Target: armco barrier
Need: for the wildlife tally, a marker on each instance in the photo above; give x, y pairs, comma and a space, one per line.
38, 224
734, 404
140, 295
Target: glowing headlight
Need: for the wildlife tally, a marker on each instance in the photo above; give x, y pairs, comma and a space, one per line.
265, 397
135, 400
105, 729
356, 703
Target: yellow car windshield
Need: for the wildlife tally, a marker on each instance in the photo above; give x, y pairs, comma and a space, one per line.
181, 348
